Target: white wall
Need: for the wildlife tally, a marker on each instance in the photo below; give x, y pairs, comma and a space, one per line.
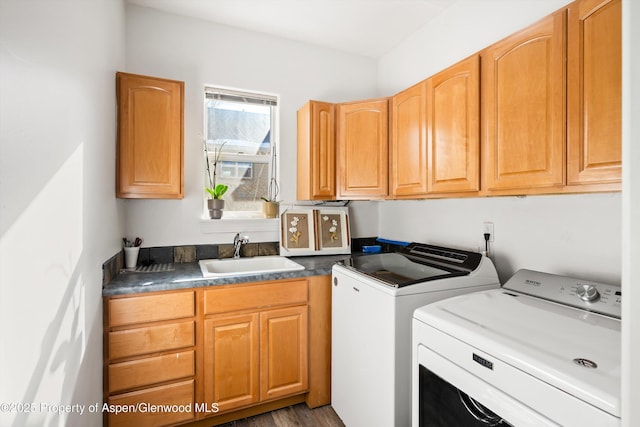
59, 219
200, 53
575, 235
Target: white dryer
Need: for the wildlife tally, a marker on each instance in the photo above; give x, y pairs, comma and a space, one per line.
544, 350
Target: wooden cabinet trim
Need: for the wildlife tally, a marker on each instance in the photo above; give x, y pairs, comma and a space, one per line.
319, 314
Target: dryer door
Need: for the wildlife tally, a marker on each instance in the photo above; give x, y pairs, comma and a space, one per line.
439, 403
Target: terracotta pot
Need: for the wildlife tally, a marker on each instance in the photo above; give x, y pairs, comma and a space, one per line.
215, 208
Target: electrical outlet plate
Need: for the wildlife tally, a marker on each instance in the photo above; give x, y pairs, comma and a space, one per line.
487, 227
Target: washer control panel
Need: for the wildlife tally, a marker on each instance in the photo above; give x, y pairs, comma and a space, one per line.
592, 296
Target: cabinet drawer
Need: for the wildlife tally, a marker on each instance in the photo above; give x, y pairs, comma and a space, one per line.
151, 370
146, 414
255, 296
151, 339
150, 308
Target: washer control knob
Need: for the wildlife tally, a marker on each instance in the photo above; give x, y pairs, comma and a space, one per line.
588, 293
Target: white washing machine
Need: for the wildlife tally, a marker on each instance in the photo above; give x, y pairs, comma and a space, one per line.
544, 350
373, 300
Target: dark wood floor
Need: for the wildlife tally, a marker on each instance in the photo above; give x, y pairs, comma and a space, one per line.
293, 416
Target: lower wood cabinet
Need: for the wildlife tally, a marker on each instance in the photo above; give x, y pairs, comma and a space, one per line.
150, 359
215, 354
259, 355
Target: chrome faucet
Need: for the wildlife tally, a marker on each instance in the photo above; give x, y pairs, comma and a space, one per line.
237, 244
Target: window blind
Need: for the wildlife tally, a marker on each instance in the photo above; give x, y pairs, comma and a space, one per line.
239, 96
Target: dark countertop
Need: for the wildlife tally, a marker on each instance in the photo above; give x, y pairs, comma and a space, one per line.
188, 275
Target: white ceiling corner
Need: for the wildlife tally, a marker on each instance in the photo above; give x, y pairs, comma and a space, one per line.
364, 27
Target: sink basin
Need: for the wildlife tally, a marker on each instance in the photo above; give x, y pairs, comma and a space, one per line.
245, 266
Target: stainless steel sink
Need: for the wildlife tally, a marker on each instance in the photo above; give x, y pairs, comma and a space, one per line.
245, 266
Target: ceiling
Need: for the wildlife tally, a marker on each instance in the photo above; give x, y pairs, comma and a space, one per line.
365, 27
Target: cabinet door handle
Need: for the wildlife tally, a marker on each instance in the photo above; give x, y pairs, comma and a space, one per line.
356, 289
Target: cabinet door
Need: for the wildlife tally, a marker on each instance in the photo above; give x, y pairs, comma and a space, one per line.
595, 92
362, 139
316, 152
408, 148
453, 128
231, 361
283, 352
524, 109
150, 137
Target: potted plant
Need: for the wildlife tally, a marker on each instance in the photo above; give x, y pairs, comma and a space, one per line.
270, 205
216, 191
216, 202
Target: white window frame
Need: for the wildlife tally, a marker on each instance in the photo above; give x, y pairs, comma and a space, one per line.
243, 220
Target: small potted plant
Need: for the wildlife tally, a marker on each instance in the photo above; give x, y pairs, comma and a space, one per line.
216, 202
216, 191
270, 205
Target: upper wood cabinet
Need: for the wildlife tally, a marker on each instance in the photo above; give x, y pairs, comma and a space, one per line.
453, 128
523, 107
594, 92
408, 142
316, 152
149, 154
362, 139
538, 112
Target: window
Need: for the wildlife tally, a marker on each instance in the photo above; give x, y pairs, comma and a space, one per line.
240, 146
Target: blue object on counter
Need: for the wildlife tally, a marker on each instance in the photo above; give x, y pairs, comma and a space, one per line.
372, 249
393, 242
